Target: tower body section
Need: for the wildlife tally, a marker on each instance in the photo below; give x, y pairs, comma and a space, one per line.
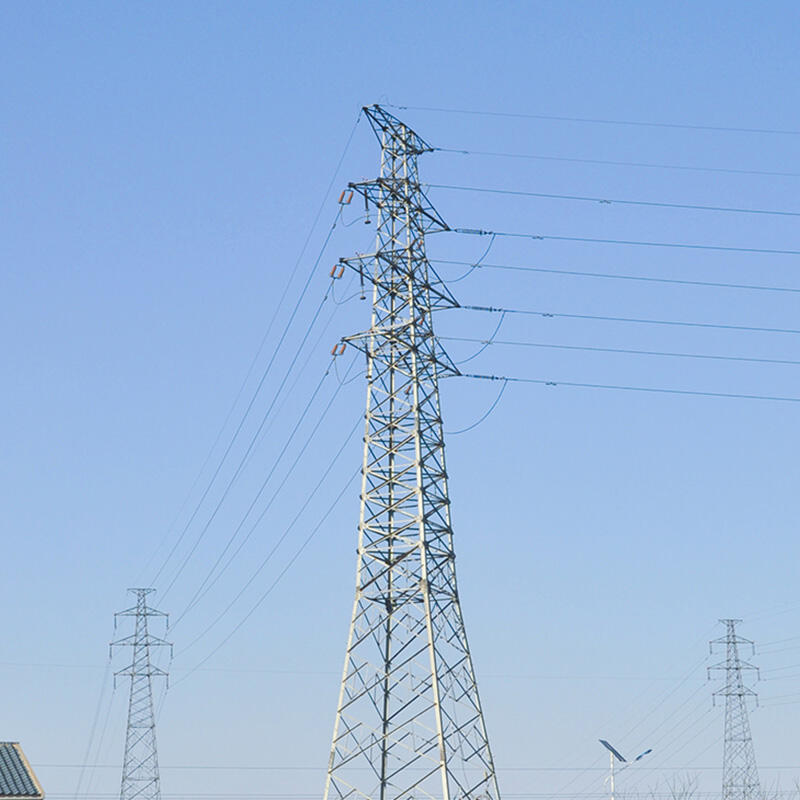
140, 777
739, 770
409, 722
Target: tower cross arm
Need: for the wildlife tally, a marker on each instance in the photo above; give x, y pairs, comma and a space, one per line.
133, 671
401, 190
724, 665
724, 642
364, 342
134, 611
364, 263
148, 640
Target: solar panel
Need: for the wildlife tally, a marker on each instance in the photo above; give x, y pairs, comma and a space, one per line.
615, 752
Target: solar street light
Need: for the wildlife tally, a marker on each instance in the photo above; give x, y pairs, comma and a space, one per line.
615, 755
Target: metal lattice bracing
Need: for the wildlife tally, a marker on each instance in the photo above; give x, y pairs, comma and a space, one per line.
409, 722
739, 770
140, 779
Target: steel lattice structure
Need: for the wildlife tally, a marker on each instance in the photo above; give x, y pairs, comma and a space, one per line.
739, 770
409, 722
140, 777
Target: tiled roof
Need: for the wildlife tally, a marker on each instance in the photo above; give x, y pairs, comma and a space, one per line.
16, 776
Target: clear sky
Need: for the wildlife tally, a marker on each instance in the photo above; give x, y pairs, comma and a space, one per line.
163, 166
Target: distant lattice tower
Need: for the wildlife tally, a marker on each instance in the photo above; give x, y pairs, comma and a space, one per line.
409, 722
739, 770
140, 778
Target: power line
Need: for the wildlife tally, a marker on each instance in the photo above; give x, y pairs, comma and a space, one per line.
485, 344
610, 201
247, 410
773, 611
317, 768
485, 415
273, 671
613, 276
286, 568
610, 163
280, 575
93, 729
631, 242
667, 795
683, 742
633, 712
622, 350
205, 585
780, 650
101, 740
254, 438
473, 265
599, 121
648, 737
782, 703
274, 317
286, 476
291, 392
628, 388
661, 740
633, 320
778, 641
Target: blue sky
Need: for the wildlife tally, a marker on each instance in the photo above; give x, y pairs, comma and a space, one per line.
163, 166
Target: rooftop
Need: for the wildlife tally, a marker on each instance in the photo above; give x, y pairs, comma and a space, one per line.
16, 776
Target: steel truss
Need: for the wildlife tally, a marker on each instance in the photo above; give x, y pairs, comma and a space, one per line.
140, 778
409, 722
739, 770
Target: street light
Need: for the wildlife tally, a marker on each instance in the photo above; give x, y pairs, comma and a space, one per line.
615, 755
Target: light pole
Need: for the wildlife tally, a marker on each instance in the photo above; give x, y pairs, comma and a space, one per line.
615, 755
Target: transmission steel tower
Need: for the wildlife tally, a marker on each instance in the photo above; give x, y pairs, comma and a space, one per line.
140, 778
409, 722
739, 771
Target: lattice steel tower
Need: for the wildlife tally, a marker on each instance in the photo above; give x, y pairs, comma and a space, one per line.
140, 778
409, 722
739, 771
